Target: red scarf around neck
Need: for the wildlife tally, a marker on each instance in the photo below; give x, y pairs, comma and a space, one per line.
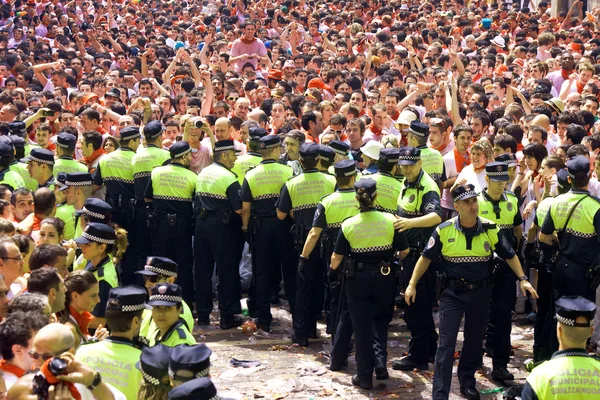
83, 320
11, 368
375, 130
565, 74
396, 115
580, 86
246, 41
51, 379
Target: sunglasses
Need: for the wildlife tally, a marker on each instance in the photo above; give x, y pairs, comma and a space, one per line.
231, 98
152, 278
335, 132
46, 357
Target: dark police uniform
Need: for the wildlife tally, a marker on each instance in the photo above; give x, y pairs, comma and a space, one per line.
370, 241
66, 163
171, 189
466, 257
167, 295
195, 359
270, 236
571, 373
20, 167
300, 195
196, 389
42, 156
115, 171
144, 161
506, 215
217, 204
388, 187
154, 364
417, 199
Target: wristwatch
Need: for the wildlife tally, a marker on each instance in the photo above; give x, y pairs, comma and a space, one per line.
95, 382
522, 278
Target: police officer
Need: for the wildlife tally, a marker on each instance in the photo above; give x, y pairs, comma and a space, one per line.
19, 128
501, 207
420, 211
117, 355
154, 366
571, 373
167, 305
40, 164
160, 270
252, 158
19, 167
268, 236
218, 203
115, 171
433, 162
189, 362
300, 197
388, 187
8, 178
171, 190
65, 212
196, 389
464, 245
369, 240
146, 158
65, 153
326, 158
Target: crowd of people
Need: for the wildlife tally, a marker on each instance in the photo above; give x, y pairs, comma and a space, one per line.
348, 157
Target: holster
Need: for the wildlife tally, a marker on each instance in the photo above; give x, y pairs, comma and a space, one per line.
151, 222
172, 219
350, 268
593, 273
226, 218
327, 243
299, 236
202, 213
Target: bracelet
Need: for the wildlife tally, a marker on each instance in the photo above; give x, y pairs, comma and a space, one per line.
520, 173
95, 382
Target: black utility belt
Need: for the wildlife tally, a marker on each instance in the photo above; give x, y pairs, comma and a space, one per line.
384, 267
461, 284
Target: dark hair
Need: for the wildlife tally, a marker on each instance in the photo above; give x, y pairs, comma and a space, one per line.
56, 223
28, 303
76, 282
365, 199
307, 118
543, 132
45, 254
19, 192
117, 320
42, 280
44, 201
94, 138
537, 151
577, 150
514, 130
506, 142
18, 328
575, 133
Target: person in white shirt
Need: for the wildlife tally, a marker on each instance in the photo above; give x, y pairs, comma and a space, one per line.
481, 154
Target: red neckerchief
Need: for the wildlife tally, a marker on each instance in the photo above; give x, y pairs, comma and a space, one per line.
396, 115
565, 74
53, 380
440, 148
95, 155
375, 130
83, 320
519, 146
477, 77
246, 41
11, 368
478, 169
580, 86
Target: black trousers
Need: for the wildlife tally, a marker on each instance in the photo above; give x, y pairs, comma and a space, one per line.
341, 323
371, 303
310, 290
474, 305
418, 316
172, 238
125, 218
272, 250
502, 302
216, 242
143, 235
542, 336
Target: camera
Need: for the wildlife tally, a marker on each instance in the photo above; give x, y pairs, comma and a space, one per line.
56, 367
198, 123
48, 113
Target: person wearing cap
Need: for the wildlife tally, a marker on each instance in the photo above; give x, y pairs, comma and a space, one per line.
252, 158
419, 211
171, 191
77, 188
65, 154
268, 237
571, 373
370, 156
542, 338
19, 128
65, 212
196, 389
154, 366
501, 207
115, 171
431, 159
326, 158
189, 362
18, 166
299, 198
160, 270
388, 187
40, 164
144, 161
464, 246
167, 305
370, 242
9, 178
117, 355
216, 237
575, 216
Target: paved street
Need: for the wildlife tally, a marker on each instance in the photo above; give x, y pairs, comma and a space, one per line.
290, 372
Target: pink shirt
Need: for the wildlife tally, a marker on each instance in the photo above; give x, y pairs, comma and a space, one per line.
239, 48
200, 159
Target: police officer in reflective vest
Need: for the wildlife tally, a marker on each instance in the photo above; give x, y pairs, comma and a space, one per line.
171, 190
65, 150
252, 158
117, 355
268, 236
388, 187
571, 373
19, 167
464, 245
167, 304
8, 178
299, 197
189, 362
420, 211
218, 205
65, 212
40, 163
115, 171
326, 158
433, 162
369, 242
146, 158
501, 207
332, 210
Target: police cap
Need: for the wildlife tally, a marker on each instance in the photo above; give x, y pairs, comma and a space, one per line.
389, 156
309, 150
179, 149
165, 294
194, 358
256, 132
66, 140
60, 180
326, 153
6, 150
96, 210
17, 128
17, 141
419, 129
368, 184
224, 145
497, 171
42, 156
339, 147
569, 308
464, 192
508, 159
408, 155
562, 181
77, 179
130, 298
130, 132
153, 129
97, 232
196, 389
345, 168
159, 266
578, 167
154, 363
269, 142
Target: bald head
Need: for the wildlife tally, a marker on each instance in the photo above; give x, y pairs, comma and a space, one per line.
52, 339
541, 120
222, 128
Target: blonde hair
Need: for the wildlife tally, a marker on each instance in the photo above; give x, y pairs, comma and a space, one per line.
153, 392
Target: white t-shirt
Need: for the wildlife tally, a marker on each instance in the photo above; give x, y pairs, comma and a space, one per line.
477, 179
451, 172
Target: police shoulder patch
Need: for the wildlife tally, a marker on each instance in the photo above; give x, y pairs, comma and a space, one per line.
430, 243
429, 207
181, 333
